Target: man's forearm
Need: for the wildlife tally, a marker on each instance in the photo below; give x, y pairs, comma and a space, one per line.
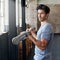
38, 43
34, 35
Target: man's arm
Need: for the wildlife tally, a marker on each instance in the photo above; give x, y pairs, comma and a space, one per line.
45, 37
41, 44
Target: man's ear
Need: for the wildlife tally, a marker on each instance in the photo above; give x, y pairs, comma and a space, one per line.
47, 15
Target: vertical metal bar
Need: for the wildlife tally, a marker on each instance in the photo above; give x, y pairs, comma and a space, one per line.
13, 50
24, 49
23, 19
23, 29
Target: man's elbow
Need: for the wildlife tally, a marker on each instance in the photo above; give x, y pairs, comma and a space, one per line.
42, 48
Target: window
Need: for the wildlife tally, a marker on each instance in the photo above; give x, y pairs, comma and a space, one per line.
3, 15
18, 13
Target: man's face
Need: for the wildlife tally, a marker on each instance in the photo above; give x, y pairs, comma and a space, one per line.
42, 15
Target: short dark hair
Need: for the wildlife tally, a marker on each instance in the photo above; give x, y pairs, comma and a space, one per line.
43, 7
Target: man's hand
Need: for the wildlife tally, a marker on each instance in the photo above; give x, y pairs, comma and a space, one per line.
30, 37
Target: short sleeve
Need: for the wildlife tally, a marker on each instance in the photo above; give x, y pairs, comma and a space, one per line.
46, 33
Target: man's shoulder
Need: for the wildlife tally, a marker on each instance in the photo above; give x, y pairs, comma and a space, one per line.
47, 27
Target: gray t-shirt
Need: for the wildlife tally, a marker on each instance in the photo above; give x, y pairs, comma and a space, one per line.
45, 32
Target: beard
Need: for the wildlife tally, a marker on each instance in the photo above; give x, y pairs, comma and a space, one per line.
41, 20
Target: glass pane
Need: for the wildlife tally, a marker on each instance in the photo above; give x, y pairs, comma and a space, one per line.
2, 9
1, 0
20, 15
1, 24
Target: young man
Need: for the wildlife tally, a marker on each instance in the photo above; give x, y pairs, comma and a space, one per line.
43, 37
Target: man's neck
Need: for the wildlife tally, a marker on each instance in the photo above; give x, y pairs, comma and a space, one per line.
44, 22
